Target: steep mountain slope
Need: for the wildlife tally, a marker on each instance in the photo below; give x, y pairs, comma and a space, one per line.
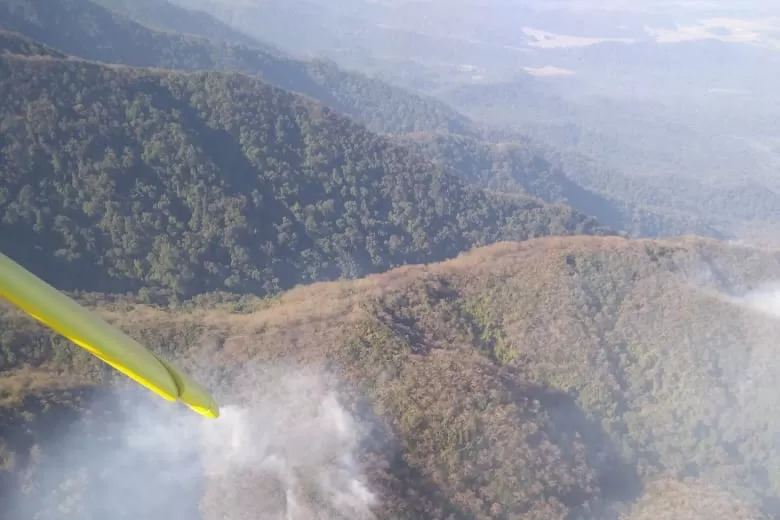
669, 163
192, 182
88, 30
14, 43
514, 166
640, 207
660, 114
165, 16
576, 377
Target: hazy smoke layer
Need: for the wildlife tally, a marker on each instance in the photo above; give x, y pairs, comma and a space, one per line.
288, 453
294, 449
765, 299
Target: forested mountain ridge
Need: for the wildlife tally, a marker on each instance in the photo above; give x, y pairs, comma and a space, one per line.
691, 158
193, 182
510, 165
562, 377
165, 16
661, 114
88, 30
557, 378
14, 43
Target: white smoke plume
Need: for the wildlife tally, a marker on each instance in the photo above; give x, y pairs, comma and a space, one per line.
765, 300
287, 453
299, 443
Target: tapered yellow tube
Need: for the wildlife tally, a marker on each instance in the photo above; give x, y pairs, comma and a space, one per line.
62, 314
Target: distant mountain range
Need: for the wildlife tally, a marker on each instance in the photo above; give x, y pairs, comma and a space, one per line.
405, 313
96, 32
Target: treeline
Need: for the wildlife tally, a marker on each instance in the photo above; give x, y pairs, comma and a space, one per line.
575, 377
117, 31
88, 30
117, 179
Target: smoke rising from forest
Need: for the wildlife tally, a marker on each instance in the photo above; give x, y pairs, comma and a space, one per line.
289, 454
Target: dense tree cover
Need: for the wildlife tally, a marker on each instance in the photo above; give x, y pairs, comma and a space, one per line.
560, 378
194, 182
696, 151
692, 499
505, 162
112, 37
13, 43
88, 30
644, 155
574, 377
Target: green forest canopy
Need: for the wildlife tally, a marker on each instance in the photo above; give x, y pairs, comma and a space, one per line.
193, 182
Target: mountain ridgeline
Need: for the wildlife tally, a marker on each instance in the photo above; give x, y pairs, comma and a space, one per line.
118, 31
194, 182
174, 174
92, 31
596, 378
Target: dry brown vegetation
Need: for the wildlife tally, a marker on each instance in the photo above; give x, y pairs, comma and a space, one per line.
541, 379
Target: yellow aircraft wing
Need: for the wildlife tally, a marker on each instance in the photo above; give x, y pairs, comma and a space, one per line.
61, 313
